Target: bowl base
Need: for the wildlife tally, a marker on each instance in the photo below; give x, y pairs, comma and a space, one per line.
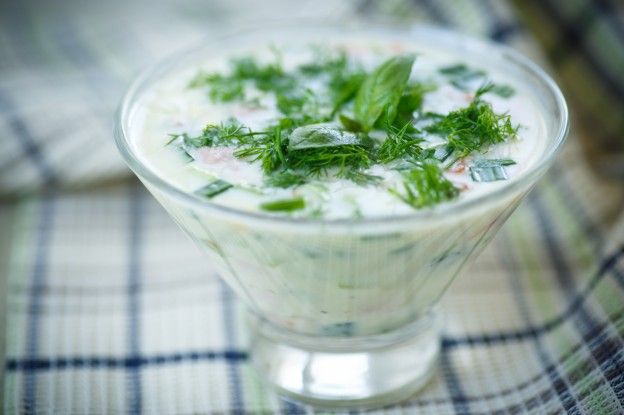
343, 372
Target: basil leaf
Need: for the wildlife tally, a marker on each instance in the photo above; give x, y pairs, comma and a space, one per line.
214, 188
284, 205
347, 91
320, 135
349, 123
381, 91
410, 101
440, 152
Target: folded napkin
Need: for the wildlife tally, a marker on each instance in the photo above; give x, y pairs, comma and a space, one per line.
110, 309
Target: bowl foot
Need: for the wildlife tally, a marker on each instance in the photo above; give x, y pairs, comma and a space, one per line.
344, 372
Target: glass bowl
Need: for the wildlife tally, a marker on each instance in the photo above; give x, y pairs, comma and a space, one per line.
343, 312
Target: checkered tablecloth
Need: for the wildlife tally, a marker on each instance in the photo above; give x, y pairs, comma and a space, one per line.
110, 309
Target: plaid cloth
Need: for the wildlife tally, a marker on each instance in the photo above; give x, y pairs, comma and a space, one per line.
110, 309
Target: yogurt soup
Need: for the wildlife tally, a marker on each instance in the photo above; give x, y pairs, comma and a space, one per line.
352, 129
312, 168
339, 180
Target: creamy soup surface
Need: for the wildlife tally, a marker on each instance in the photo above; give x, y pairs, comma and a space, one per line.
349, 129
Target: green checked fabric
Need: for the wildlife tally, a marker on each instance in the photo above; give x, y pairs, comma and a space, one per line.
110, 309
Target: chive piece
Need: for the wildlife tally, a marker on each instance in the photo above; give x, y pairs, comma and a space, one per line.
213, 189
503, 90
490, 170
488, 174
440, 153
461, 75
494, 162
283, 205
461, 70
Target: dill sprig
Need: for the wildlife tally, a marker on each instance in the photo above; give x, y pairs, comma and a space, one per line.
221, 88
285, 179
332, 115
231, 87
227, 134
475, 127
268, 147
425, 185
399, 144
317, 161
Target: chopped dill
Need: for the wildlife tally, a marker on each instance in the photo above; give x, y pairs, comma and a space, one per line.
399, 144
319, 160
213, 189
336, 119
285, 179
425, 185
475, 127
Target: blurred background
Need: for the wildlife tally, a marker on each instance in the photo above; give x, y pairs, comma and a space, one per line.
108, 309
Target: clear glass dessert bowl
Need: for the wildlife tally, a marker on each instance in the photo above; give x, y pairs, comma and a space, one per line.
343, 311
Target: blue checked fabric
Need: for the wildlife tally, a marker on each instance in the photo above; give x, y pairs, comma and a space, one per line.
110, 309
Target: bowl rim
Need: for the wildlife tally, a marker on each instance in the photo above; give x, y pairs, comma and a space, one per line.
164, 66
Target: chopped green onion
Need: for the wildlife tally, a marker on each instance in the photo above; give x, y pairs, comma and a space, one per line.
461, 75
440, 153
494, 162
489, 170
284, 205
213, 189
503, 90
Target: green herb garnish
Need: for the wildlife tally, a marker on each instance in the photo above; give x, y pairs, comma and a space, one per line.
350, 124
381, 91
503, 90
489, 170
336, 119
461, 75
475, 127
462, 71
400, 143
410, 102
317, 161
284, 205
320, 135
440, 153
345, 88
285, 179
213, 189
425, 185
267, 147
220, 88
